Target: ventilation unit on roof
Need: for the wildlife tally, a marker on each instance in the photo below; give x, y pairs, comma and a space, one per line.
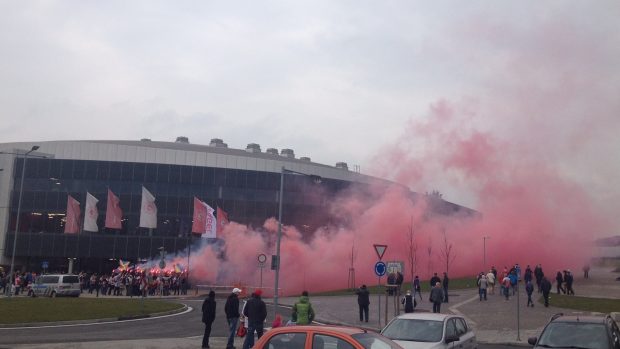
182, 139
253, 148
218, 143
288, 153
342, 165
145, 140
304, 158
272, 151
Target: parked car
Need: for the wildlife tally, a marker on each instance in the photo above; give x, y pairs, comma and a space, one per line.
53, 285
430, 331
582, 332
323, 337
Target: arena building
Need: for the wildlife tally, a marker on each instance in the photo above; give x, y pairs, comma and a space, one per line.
244, 183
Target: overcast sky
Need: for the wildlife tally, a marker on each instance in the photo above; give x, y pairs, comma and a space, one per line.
332, 80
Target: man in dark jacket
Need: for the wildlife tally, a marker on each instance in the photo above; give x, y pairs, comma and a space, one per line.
434, 280
232, 316
445, 287
208, 315
538, 274
255, 312
363, 301
545, 287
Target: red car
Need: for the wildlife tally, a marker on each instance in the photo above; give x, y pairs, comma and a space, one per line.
323, 337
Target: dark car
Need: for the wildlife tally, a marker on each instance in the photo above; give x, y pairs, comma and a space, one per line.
579, 332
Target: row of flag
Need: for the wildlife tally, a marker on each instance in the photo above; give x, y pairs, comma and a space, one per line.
204, 221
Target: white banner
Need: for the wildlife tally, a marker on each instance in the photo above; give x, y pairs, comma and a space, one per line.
211, 224
91, 213
148, 210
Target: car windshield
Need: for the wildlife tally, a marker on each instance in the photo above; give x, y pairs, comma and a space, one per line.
414, 330
374, 341
574, 335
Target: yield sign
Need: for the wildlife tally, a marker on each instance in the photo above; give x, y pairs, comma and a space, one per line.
380, 249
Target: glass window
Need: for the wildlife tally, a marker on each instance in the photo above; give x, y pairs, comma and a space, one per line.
461, 326
67, 169
163, 172
55, 169
372, 340
290, 340
197, 173
414, 330
209, 176
103, 170
138, 172
91, 169
43, 167
48, 279
574, 335
127, 171
116, 170
185, 175
219, 176
175, 174
79, 169
321, 341
150, 173
450, 328
70, 279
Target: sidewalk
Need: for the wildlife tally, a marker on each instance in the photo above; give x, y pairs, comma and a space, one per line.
494, 321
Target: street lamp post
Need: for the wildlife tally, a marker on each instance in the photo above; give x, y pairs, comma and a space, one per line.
484, 252
277, 260
19, 206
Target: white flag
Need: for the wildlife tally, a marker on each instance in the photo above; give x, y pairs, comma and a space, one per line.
148, 210
91, 213
211, 224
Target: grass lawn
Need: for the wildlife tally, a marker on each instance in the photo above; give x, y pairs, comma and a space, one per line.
601, 305
455, 284
43, 309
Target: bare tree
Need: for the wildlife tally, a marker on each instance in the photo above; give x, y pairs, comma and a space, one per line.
413, 250
446, 251
429, 250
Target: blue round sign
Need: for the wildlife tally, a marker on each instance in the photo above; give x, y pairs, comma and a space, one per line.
380, 268
45, 265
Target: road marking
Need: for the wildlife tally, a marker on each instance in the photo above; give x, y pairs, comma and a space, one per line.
189, 309
457, 312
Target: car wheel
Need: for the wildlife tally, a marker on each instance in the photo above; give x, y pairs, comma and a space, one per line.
30, 294
53, 294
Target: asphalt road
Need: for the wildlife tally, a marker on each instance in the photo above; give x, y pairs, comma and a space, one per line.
184, 325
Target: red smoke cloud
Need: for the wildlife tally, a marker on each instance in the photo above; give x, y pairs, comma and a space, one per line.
531, 154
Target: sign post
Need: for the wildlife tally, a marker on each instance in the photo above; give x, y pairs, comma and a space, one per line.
262, 258
380, 269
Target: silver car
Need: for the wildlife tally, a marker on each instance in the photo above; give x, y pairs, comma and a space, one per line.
430, 331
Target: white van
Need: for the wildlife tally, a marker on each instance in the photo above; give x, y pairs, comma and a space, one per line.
53, 285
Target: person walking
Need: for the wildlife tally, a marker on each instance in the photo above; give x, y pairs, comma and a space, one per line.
568, 279
545, 287
538, 274
482, 286
586, 271
208, 316
416, 287
506, 286
302, 310
445, 283
491, 281
529, 288
435, 279
559, 279
409, 302
363, 302
255, 312
437, 297
231, 308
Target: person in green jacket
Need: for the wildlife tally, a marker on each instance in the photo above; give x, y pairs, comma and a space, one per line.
302, 310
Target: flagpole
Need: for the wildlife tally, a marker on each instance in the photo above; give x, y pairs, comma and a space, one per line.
189, 250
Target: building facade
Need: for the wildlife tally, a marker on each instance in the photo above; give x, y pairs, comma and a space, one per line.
244, 183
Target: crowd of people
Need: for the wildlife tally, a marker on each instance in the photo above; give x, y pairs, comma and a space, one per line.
134, 283
510, 278
117, 283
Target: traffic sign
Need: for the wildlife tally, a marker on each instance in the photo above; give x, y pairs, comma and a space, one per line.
380, 268
45, 264
380, 249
